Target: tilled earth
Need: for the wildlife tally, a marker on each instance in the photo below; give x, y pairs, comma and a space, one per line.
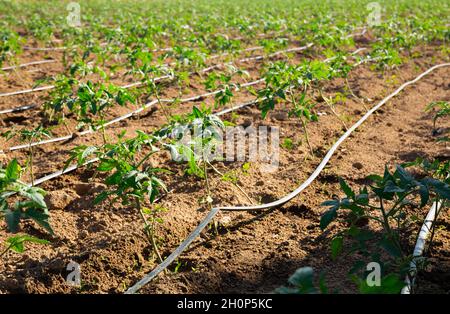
250, 252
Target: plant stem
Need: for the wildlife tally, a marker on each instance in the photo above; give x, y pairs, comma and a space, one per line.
205, 170
31, 164
6, 250
164, 109
306, 136
391, 235
144, 159
149, 231
303, 123
234, 183
329, 102
433, 230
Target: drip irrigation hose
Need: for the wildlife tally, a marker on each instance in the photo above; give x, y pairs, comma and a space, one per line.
23, 65
105, 44
279, 202
296, 49
17, 109
419, 248
44, 48
146, 106
31, 90
26, 91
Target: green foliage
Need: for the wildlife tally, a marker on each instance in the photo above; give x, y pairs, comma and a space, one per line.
386, 202
443, 110
10, 44
17, 243
29, 204
287, 144
194, 139
223, 82
302, 282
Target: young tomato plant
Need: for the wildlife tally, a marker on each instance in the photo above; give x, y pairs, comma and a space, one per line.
93, 102
223, 82
386, 203
28, 137
10, 43
19, 201
443, 110
194, 139
59, 97
148, 74
16, 243
132, 179
282, 80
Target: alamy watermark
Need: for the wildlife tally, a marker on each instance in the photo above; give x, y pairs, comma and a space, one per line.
235, 143
74, 17
74, 277
373, 278
374, 17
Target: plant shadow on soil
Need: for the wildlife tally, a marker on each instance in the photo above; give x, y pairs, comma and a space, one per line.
275, 269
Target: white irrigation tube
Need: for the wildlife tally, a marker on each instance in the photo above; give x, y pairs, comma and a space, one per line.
17, 109
74, 167
279, 202
118, 119
43, 48
159, 78
132, 113
27, 64
420, 247
61, 172
26, 91
296, 49
154, 50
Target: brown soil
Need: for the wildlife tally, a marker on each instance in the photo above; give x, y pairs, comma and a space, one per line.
252, 252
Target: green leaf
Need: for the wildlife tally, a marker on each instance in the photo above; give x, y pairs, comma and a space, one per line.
390, 284
424, 194
40, 218
197, 112
12, 218
35, 195
328, 217
13, 170
303, 280
16, 243
389, 247
374, 178
336, 246
404, 176
101, 197
106, 165
347, 190
391, 187
113, 179
88, 151
439, 187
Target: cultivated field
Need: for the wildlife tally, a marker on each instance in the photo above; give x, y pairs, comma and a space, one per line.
224, 146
